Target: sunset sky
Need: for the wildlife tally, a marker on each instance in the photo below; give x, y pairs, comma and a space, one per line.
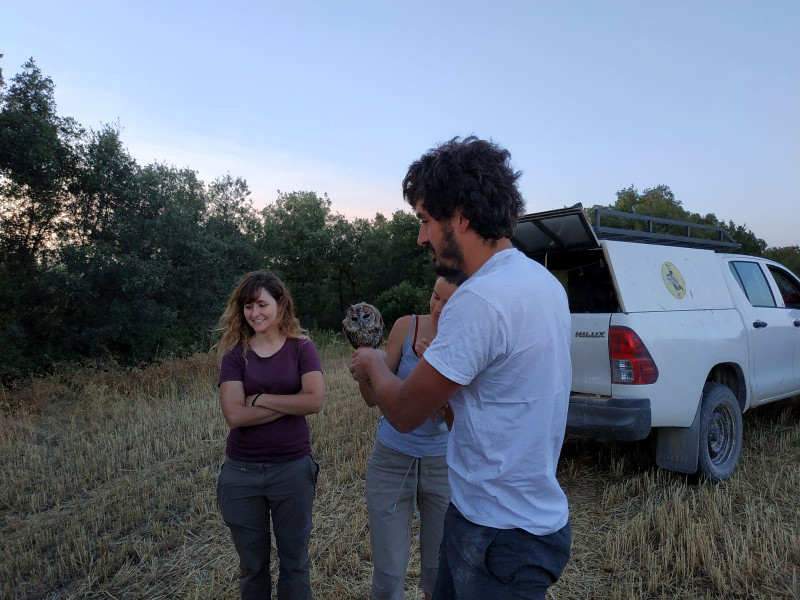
339, 97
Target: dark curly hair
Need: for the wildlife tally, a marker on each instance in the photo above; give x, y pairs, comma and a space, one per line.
472, 176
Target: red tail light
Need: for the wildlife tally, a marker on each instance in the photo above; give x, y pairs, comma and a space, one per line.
631, 363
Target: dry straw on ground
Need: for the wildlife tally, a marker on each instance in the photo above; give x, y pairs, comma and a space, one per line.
108, 487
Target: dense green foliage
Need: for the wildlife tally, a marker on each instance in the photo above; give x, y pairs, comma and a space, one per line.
105, 259
788, 256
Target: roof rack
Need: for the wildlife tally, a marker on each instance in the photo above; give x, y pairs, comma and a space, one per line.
722, 240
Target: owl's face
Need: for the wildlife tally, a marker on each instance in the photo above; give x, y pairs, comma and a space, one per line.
359, 316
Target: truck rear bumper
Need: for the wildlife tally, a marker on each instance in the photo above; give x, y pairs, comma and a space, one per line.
609, 418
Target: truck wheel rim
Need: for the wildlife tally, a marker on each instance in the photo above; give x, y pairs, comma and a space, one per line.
720, 436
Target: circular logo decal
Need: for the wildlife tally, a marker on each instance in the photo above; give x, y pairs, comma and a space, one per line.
673, 280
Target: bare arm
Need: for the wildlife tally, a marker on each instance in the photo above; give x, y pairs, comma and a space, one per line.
237, 410
308, 401
406, 403
394, 351
366, 393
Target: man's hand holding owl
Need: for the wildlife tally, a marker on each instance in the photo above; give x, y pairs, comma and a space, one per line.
365, 360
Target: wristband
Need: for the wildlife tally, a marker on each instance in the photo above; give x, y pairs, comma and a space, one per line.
253, 403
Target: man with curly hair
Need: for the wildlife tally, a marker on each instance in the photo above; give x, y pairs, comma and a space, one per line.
501, 362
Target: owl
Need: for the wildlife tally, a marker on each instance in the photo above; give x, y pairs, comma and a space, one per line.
363, 325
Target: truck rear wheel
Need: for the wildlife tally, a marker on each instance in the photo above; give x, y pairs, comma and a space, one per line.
720, 433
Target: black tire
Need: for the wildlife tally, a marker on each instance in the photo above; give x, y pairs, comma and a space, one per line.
720, 433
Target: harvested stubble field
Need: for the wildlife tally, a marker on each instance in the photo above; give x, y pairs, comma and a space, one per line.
108, 491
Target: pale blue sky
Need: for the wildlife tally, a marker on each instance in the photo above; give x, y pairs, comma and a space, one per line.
339, 97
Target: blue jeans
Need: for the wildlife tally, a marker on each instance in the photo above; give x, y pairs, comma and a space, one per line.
248, 494
477, 562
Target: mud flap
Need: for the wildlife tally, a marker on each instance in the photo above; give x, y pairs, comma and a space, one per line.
677, 448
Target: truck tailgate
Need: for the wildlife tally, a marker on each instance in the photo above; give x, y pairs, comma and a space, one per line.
591, 370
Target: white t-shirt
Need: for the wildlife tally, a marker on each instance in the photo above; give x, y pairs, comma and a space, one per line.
504, 335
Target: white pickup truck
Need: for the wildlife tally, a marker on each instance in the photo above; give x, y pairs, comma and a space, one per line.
667, 338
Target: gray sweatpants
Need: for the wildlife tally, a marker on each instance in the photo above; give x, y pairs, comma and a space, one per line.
396, 483
248, 494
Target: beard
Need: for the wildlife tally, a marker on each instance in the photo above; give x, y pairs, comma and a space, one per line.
450, 274
449, 261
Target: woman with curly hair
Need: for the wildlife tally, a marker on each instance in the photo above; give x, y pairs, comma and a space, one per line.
270, 379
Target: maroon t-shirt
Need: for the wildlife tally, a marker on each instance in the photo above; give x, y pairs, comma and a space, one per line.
286, 438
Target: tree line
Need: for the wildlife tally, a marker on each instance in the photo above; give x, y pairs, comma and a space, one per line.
104, 259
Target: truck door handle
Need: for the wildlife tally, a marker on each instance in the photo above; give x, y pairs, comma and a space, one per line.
797, 322
760, 324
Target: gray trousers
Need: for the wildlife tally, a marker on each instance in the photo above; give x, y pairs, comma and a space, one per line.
396, 483
248, 494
